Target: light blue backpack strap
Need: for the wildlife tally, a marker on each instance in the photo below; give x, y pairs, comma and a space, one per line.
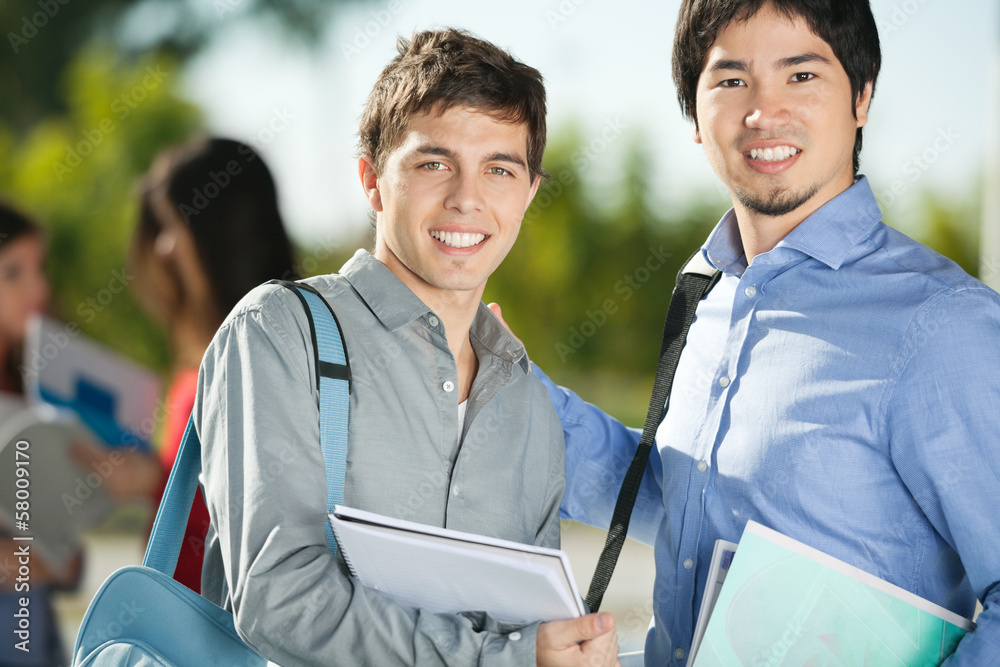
333, 373
172, 517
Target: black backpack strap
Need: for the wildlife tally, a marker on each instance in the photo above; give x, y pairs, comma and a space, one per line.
694, 281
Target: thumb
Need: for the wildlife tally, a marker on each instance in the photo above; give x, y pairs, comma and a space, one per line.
586, 628
495, 309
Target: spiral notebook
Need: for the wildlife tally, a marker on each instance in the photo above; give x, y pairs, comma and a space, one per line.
448, 571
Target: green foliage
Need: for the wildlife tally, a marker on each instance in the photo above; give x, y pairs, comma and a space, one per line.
951, 227
77, 173
41, 38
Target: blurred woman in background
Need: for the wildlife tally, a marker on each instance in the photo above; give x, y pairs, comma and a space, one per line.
208, 232
24, 291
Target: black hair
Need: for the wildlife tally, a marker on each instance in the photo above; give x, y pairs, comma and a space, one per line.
848, 26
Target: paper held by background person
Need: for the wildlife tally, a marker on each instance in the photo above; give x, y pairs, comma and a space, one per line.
112, 395
54, 500
447, 571
785, 603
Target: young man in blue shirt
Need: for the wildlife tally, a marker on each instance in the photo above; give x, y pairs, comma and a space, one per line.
839, 383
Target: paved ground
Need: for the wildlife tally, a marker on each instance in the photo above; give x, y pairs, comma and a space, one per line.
628, 597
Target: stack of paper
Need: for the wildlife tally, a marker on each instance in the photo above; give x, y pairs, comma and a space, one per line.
784, 603
448, 571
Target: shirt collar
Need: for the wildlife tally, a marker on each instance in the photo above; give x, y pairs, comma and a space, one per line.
828, 235
395, 305
392, 302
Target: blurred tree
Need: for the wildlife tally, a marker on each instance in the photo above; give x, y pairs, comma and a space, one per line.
77, 174
951, 227
42, 38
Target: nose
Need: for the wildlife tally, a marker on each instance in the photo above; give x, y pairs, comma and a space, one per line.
768, 108
464, 194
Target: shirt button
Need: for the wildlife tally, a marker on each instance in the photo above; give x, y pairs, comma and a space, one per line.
448, 386
454, 490
514, 636
751, 291
702, 466
433, 321
723, 382
679, 654
688, 563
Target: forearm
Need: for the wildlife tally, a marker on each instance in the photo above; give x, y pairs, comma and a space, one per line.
599, 451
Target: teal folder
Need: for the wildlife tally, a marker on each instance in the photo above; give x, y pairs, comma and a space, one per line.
784, 603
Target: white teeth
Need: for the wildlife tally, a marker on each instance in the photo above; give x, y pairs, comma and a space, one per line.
776, 154
459, 239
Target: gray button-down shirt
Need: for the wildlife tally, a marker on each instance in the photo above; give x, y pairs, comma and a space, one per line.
256, 412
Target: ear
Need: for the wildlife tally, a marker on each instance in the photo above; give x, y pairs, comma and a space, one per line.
369, 182
696, 135
534, 189
862, 103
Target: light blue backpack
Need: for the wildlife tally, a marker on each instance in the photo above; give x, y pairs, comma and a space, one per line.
141, 617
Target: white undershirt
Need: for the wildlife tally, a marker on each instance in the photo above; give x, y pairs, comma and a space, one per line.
461, 417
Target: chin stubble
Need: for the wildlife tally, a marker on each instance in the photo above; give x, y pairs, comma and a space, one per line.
775, 202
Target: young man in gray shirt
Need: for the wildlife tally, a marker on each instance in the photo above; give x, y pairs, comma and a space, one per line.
447, 424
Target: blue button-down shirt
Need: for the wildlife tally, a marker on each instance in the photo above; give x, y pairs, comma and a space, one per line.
843, 389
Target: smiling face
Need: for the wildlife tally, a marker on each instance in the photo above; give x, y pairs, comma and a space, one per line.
449, 201
24, 287
777, 119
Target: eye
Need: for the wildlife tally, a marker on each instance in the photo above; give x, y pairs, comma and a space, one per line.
803, 76
433, 166
732, 83
499, 171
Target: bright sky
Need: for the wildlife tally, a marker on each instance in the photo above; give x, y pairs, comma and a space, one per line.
604, 62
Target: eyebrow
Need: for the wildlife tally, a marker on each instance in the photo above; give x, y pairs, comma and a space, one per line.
783, 63
801, 59
738, 65
429, 149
